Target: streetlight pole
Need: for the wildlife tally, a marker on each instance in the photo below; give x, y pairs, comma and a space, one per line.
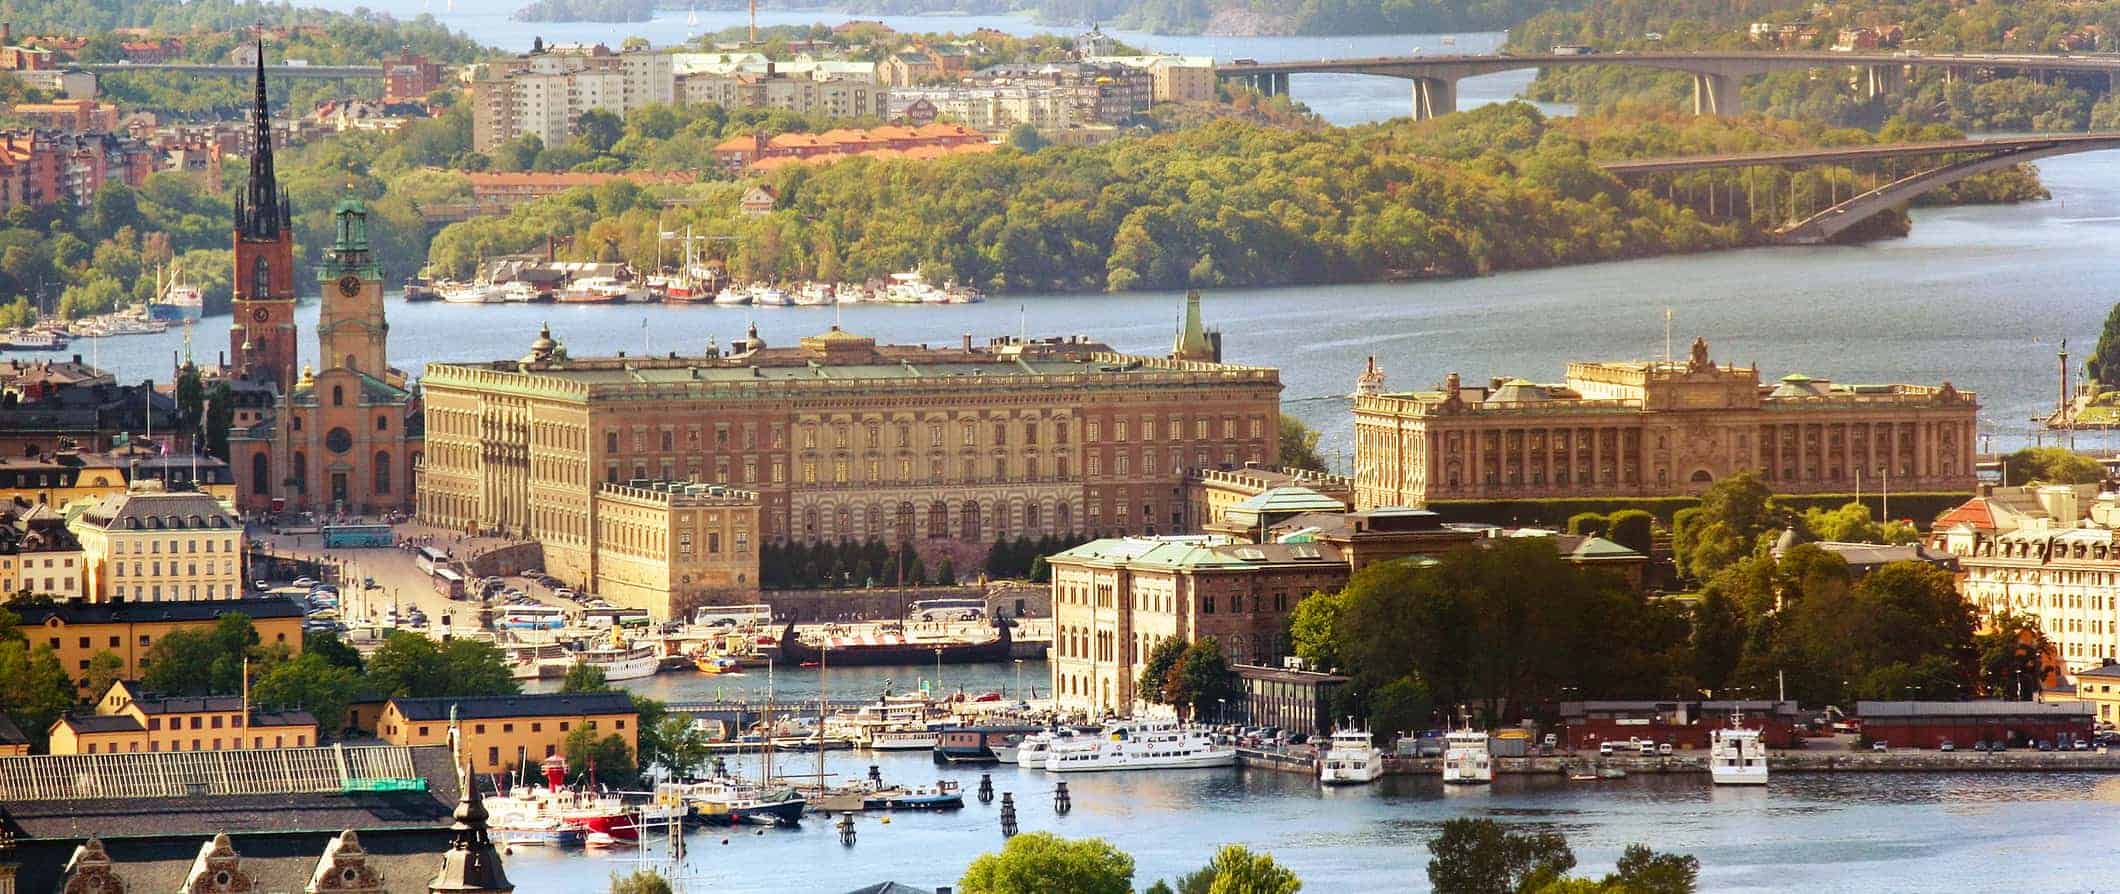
1019, 679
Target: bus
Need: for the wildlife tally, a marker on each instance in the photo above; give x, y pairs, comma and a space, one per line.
449, 583
958, 609
623, 618
359, 537
533, 617
430, 558
756, 615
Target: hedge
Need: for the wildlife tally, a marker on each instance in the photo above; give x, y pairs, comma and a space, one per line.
1921, 507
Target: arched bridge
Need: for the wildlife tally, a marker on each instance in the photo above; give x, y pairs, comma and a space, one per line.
1716, 74
1946, 163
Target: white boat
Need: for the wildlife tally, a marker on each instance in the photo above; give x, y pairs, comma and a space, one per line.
732, 295
907, 739
957, 294
602, 290
1736, 756
517, 292
848, 293
1350, 758
470, 293
1036, 748
1142, 745
180, 302
768, 296
1466, 760
909, 288
813, 294
620, 661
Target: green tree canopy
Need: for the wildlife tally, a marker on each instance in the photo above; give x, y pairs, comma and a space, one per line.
2050, 465
1299, 445
1481, 856
205, 662
1725, 527
1313, 630
310, 682
1044, 863
2014, 654
34, 689
1163, 657
584, 677
1202, 680
1237, 870
411, 665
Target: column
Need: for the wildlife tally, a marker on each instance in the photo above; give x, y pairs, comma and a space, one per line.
1597, 458
1549, 435
1847, 452
1715, 94
1433, 97
1474, 472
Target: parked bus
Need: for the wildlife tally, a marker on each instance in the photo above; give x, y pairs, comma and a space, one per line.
757, 615
959, 609
448, 583
533, 617
625, 618
430, 558
358, 537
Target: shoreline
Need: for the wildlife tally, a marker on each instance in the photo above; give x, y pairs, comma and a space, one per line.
1904, 761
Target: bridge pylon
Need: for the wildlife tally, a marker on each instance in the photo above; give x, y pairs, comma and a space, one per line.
1715, 94
1433, 97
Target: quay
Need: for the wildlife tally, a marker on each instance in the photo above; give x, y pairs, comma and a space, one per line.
1909, 761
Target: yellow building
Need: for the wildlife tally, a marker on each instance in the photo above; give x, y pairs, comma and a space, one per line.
1656, 429
152, 545
68, 477
39, 554
127, 720
2099, 687
76, 629
502, 732
664, 546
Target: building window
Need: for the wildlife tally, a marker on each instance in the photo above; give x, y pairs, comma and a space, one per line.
382, 471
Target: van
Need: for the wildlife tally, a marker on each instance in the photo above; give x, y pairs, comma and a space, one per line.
1605, 749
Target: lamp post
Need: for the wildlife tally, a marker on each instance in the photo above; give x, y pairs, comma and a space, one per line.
1019, 679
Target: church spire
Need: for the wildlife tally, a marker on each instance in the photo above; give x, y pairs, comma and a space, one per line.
260, 212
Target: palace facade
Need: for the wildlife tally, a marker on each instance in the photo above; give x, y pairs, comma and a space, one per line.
841, 438
1654, 429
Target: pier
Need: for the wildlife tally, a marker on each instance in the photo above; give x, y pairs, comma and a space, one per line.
1908, 761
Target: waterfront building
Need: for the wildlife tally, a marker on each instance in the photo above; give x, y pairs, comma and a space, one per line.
500, 733
358, 820
1295, 699
127, 719
77, 629
1657, 429
150, 545
667, 545
2050, 552
1682, 724
544, 94
1930, 724
945, 448
346, 439
1172, 78
2099, 687
1209, 492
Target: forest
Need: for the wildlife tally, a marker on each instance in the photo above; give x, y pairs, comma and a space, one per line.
1226, 203
1837, 97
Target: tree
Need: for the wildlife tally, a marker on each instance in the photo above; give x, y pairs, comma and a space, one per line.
585, 677
332, 649
1726, 526
1718, 639
1633, 529
104, 669
34, 689
1026, 138
1236, 870
2103, 365
220, 417
640, 881
1044, 863
204, 662
1299, 445
1311, 630
1643, 871
1201, 680
1481, 856
310, 682
1588, 523
609, 757
1163, 657
2013, 652
414, 666
2050, 465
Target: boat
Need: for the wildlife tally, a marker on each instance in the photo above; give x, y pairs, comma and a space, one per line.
33, 340
517, 292
1611, 773
1351, 758
538, 661
620, 661
180, 302
1034, 749
418, 289
600, 290
1582, 777
730, 296
1466, 760
715, 664
768, 296
945, 795
848, 293
519, 829
912, 739
726, 802
813, 294
1143, 745
1736, 756
976, 744
907, 288
535, 811
470, 293
894, 649
959, 294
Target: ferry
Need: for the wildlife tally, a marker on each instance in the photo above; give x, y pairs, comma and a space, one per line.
1142, 745
418, 289
1736, 755
908, 288
180, 302
32, 340
1034, 749
601, 290
470, 293
1351, 758
904, 738
1466, 760
619, 661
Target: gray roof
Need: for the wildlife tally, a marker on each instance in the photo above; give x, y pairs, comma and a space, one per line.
2110, 670
118, 612
102, 723
10, 734
2056, 711
550, 704
405, 858
150, 510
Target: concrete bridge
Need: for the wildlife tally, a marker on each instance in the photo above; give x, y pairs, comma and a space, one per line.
1716, 74
313, 72
1953, 161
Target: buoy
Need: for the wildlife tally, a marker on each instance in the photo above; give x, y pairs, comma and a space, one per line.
1008, 815
886, 821
725, 841
846, 829
986, 788
759, 832
1061, 802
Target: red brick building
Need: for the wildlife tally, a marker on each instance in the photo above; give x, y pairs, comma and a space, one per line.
1681, 724
409, 77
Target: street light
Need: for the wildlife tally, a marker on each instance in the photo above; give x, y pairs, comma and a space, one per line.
1019, 679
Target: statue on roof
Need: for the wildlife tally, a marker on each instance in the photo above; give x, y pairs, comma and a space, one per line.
1699, 361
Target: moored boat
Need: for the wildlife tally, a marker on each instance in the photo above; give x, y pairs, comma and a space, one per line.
978, 744
1143, 745
620, 661
1351, 758
418, 289
1466, 760
1736, 756
891, 649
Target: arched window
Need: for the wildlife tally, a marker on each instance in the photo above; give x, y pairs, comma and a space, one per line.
382, 423
350, 364
970, 521
809, 522
261, 278
1030, 517
338, 395
382, 471
904, 523
938, 520
1061, 517
261, 473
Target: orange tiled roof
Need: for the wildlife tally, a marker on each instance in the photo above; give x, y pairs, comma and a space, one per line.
734, 144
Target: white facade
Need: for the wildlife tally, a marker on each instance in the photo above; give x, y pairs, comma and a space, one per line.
2054, 556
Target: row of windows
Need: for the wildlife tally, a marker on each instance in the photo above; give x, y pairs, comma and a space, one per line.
153, 592
189, 544
301, 740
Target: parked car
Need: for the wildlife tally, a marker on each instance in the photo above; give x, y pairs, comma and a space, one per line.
304, 582
1880, 746
1946, 745
1664, 749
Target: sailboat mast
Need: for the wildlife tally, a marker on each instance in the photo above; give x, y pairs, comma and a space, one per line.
822, 688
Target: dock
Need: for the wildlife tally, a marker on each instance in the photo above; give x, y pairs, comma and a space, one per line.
1905, 761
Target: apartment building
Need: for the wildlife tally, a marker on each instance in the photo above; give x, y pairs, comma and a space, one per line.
543, 94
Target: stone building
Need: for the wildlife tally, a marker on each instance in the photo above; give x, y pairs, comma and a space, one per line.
505, 732
667, 546
152, 545
2050, 552
1210, 492
75, 630
1654, 429
947, 448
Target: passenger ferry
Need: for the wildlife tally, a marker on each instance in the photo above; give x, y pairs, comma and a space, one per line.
1142, 745
1035, 749
1466, 760
1350, 758
601, 290
620, 661
1736, 755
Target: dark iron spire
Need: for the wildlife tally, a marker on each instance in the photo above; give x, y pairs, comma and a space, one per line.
260, 213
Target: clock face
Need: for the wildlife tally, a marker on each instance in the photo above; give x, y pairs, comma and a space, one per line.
260, 314
349, 285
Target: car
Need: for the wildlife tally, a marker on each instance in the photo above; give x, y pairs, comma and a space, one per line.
2083, 744
2045, 745
304, 582
1607, 749
260, 586
1946, 745
1880, 745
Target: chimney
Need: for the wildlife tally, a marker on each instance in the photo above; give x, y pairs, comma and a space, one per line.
967, 342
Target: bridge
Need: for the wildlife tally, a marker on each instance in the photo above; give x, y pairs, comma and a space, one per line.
313, 72
1716, 74
1939, 164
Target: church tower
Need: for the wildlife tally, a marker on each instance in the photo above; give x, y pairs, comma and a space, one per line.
262, 337
351, 333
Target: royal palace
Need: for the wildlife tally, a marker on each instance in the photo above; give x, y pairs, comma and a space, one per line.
840, 438
1653, 429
